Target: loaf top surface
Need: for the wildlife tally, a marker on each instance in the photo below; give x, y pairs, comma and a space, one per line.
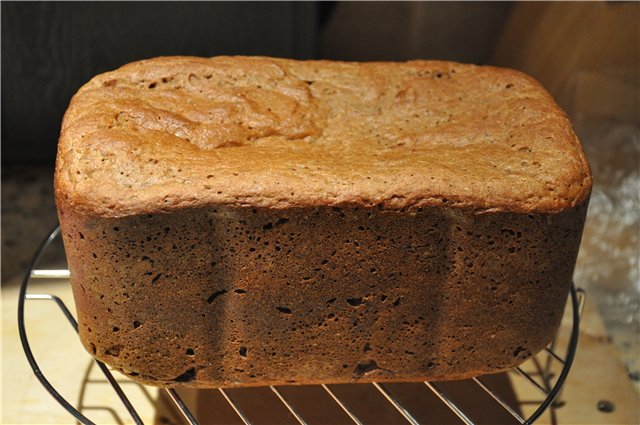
179, 132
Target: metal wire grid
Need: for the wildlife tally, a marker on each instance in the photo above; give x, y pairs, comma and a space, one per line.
577, 304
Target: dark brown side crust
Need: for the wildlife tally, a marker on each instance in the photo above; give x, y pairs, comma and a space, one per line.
233, 296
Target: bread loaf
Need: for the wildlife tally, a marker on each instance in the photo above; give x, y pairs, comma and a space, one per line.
249, 221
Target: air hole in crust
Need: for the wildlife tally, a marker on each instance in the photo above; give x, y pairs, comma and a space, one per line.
355, 301
215, 295
113, 351
243, 351
189, 375
364, 368
190, 352
278, 222
284, 310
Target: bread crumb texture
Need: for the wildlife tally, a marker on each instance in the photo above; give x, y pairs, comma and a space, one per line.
174, 132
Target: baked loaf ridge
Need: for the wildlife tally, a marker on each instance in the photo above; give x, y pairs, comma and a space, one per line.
250, 221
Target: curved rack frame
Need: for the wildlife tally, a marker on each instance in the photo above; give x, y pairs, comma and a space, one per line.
577, 304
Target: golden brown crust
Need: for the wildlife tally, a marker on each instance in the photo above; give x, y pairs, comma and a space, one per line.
254, 221
175, 132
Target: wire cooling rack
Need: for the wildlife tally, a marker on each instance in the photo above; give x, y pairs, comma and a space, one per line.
549, 388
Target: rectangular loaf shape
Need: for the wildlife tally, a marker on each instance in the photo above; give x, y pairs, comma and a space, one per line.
241, 221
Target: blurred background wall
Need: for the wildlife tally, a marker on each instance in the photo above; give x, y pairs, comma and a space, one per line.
586, 54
